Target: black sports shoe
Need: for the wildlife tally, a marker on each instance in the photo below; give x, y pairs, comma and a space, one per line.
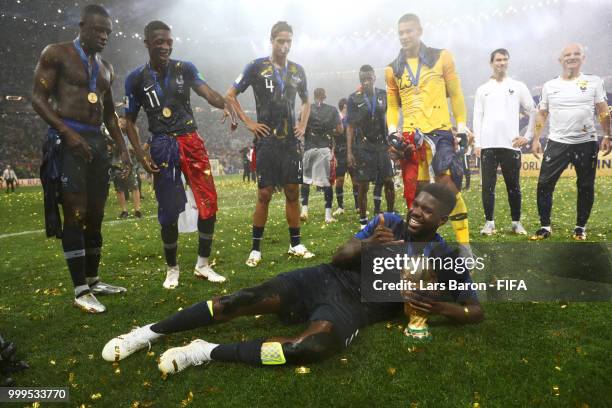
137, 214
579, 234
540, 234
124, 214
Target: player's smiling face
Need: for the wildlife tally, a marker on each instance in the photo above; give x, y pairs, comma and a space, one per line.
409, 34
572, 57
281, 44
500, 64
424, 216
160, 46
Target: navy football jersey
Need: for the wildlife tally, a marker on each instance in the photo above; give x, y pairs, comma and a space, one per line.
367, 115
275, 91
321, 126
165, 100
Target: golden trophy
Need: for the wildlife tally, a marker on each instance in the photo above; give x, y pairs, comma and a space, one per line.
417, 328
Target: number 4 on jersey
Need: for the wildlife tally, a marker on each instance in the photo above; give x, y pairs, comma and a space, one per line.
270, 85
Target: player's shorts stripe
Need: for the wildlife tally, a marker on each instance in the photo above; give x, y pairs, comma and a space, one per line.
171, 246
74, 254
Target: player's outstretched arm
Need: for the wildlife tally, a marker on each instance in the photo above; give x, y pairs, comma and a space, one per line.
46, 77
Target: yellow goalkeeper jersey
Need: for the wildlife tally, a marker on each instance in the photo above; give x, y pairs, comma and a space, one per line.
420, 86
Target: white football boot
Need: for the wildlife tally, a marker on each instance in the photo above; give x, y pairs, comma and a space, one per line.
177, 359
127, 344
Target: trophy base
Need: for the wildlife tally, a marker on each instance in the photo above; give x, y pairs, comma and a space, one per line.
417, 335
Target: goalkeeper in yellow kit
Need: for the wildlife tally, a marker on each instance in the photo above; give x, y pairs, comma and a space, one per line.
419, 81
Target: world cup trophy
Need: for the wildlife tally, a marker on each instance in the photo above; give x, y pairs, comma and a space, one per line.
417, 329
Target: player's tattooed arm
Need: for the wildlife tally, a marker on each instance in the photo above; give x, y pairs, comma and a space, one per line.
258, 129
46, 78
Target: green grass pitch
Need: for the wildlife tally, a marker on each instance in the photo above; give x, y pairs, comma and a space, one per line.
524, 354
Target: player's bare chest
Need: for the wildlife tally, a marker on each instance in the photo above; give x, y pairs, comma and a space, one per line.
84, 74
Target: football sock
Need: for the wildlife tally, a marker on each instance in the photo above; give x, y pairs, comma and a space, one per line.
377, 197
257, 237
459, 221
169, 235
198, 315
92, 280
81, 290
340, 196
74, 252
294, 236
93, 251
249, 352
202, 261
206, 228
363, 221
328, 193
305, 191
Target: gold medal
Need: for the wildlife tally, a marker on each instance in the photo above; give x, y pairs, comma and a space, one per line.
92, 97
166, 112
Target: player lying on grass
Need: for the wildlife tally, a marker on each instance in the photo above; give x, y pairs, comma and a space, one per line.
326, 296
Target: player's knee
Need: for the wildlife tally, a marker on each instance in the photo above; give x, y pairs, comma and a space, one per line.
264, 195
76, 217
389, 184
292, 193
231, 304
169, 233
316, 347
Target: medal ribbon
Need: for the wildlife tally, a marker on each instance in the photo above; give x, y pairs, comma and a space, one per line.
91, 69
158, 86
371, 104
279, 75
414, 80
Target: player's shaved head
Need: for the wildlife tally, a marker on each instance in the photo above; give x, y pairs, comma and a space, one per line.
408, 17
571, 47
94, 10
442, 194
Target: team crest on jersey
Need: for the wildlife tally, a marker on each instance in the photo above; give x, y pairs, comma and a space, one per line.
511, 91
267, 71
582, 85
293, 69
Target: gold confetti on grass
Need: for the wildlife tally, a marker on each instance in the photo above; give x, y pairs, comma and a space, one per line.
96, 396
391, 371
302, 370
555, 390
187, 400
